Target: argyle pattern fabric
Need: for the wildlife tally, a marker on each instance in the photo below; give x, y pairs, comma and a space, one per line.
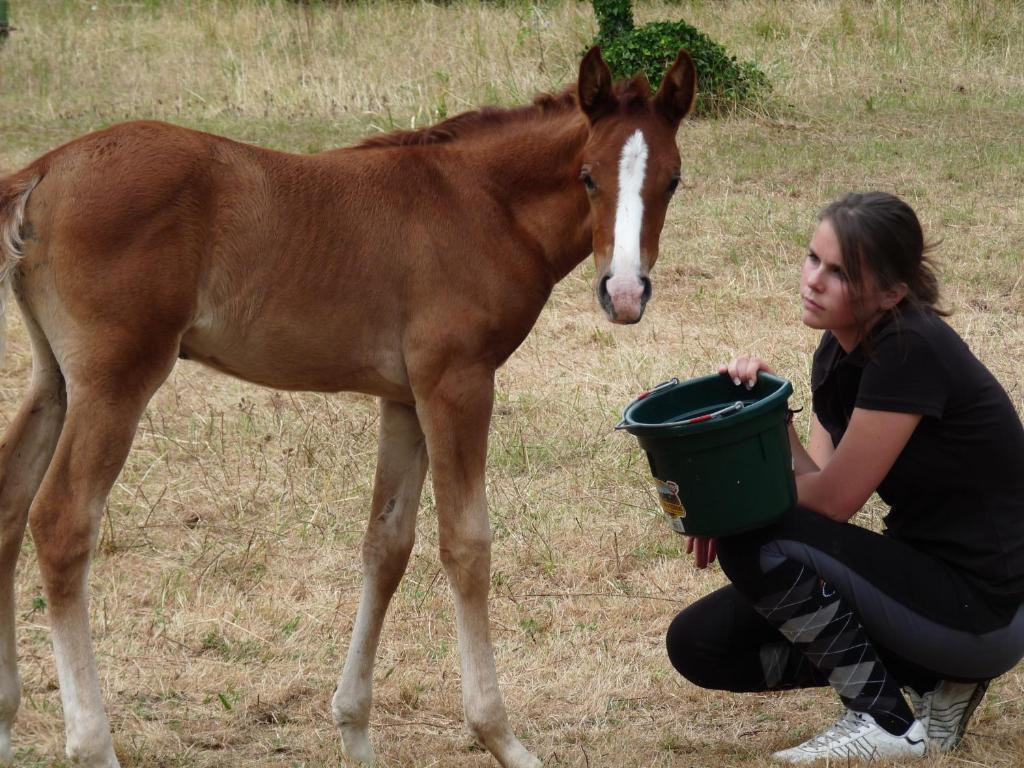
822, 627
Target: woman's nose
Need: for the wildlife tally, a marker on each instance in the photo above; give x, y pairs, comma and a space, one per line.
813, 278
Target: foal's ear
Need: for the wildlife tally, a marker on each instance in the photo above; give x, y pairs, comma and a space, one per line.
595, 86
678, 90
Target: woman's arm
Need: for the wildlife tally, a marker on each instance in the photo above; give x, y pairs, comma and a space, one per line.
860, 462
836, 482
802, 461
819, 446
818, 452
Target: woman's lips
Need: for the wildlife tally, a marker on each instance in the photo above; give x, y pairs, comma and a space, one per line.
811, 304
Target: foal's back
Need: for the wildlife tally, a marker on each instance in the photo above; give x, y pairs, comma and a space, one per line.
298, 272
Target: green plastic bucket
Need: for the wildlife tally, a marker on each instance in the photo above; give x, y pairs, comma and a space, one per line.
719, 452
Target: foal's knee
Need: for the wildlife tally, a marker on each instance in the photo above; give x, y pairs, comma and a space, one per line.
382, 546
63, 542
389, 539
467, 559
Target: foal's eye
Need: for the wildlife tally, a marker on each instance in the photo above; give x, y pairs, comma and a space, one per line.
588, 182
672, 186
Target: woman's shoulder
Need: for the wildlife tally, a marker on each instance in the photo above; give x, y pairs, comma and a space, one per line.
922, 349
920, 321
918, 328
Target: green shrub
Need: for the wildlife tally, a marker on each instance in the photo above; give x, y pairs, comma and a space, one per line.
724, 83
614, 19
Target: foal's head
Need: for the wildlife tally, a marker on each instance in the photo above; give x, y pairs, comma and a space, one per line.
630, 171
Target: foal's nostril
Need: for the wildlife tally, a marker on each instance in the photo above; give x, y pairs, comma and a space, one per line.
604, 298
646, 282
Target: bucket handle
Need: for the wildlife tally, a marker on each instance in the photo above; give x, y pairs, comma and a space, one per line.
667, 383
727, 411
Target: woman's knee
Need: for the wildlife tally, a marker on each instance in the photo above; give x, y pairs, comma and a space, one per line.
709, 641
688, 652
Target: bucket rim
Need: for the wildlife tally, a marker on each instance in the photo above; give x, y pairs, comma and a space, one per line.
776, 399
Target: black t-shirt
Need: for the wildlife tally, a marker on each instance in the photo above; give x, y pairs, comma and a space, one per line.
956, 490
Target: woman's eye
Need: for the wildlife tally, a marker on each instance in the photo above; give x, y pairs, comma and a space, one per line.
588, 182
812, 258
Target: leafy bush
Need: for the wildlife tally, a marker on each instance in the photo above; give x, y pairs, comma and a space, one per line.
614, 19
724, 83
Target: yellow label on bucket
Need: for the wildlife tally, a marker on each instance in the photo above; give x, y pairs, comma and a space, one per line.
668, 495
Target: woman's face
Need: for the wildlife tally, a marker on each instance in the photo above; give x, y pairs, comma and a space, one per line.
825, 289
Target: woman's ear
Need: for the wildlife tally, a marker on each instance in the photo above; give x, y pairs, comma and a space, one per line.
893, 296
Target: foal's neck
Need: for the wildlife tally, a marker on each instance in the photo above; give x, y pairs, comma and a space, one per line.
537, 167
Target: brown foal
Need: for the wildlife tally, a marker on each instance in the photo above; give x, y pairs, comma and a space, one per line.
408, 267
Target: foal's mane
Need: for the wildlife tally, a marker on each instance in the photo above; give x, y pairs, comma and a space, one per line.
631, 95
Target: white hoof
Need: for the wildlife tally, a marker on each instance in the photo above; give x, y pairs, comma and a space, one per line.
6, 753
355, 744
102, 759
511, 753
523, 759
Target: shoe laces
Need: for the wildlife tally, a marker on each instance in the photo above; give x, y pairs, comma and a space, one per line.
846, 726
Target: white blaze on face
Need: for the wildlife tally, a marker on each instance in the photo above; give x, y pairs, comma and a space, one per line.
624, 285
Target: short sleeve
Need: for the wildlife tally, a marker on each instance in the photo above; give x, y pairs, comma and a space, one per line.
904, 373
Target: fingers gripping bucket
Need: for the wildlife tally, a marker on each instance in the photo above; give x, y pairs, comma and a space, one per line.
719, 453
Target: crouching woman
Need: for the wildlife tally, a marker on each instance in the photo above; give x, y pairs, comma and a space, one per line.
932, 607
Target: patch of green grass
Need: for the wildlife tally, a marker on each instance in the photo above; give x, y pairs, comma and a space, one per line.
29, 758
233, 650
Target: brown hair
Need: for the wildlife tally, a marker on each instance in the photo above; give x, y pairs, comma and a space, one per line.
881, 233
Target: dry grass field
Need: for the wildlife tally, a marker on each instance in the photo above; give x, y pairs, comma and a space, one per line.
227, 575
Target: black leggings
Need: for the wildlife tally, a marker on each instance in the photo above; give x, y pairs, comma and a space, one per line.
925, 621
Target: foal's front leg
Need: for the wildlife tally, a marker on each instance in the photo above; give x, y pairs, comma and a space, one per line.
401, 468
456, 416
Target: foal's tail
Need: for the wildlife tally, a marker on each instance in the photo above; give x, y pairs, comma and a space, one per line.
14, 193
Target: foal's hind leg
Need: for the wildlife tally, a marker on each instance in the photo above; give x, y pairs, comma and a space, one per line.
105, 401
401, 467
25, 453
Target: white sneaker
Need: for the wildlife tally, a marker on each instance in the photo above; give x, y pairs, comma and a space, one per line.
946, 711
856, 736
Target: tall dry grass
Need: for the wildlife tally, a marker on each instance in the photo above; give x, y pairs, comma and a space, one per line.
228, 568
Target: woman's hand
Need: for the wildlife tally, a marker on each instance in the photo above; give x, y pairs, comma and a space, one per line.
703, 550
743, 369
